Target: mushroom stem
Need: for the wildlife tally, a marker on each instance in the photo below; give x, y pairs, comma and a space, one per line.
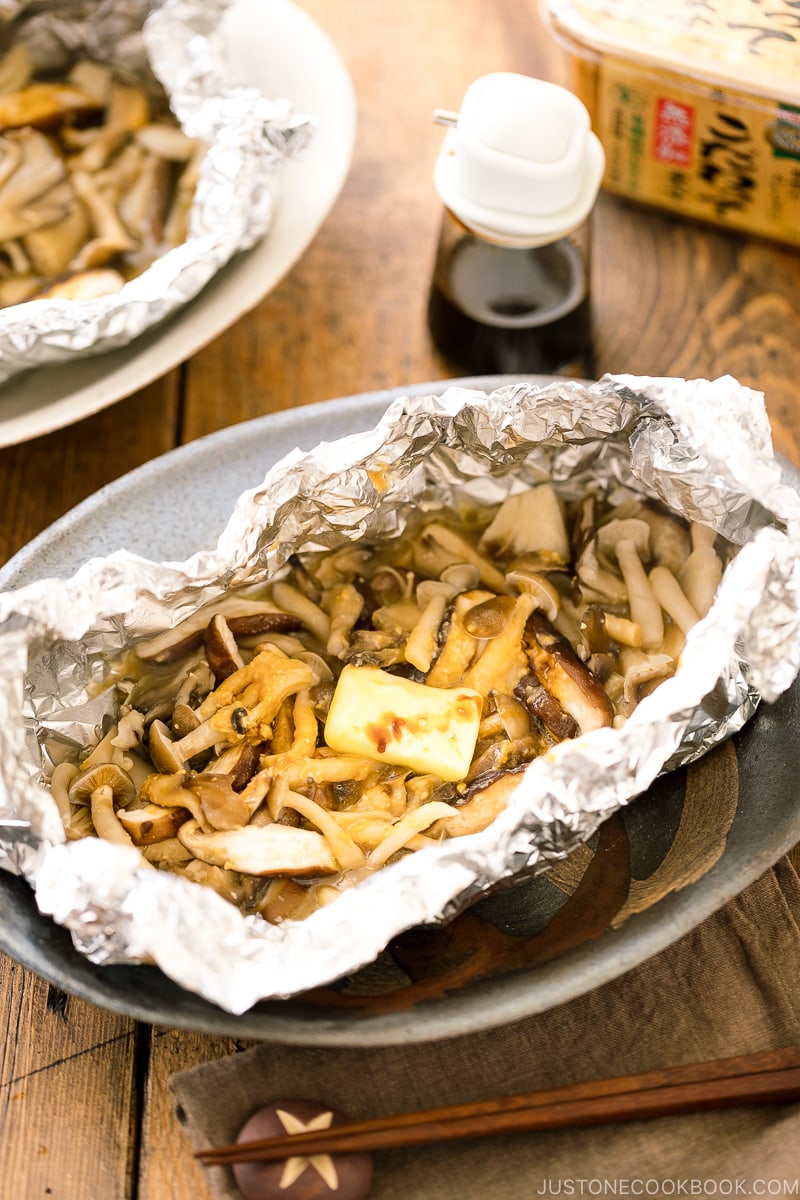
671, 597
105, 819
292, 601
645, 609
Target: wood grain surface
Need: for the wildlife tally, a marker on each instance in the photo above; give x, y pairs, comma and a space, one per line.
84, 1105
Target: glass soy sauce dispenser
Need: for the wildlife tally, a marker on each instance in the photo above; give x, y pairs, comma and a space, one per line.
518, 174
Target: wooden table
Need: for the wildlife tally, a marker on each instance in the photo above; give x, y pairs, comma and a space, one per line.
84, 1106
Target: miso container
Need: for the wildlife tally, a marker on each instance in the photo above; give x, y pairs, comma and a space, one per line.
696, 102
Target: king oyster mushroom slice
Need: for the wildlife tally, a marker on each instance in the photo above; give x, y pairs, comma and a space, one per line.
562, 673
94, 79
528, 521
29, 171
167, 142
52, 247
262, 849
110, 235
127, 110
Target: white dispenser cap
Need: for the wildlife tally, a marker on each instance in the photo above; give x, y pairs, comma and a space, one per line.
521, 165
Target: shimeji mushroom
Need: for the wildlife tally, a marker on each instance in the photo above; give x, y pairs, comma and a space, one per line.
433, 597
439, 547
104, 787
344, 608
700, 574
459, 646
223, 727
502, 663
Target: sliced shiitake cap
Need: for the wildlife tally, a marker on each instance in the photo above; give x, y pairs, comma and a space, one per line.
487, 799
222, 652
562, 673
247, 764
240, 614
102, 775
504, 755
262, 849
151, 824
546, 708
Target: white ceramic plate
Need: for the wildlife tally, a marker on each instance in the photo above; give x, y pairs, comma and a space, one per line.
275, 46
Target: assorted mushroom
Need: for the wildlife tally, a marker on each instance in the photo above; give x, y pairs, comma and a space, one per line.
280, 744
96, 181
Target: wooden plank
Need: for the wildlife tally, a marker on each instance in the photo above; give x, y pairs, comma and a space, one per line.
44, 478
67, 1093
163, 1142
672, 297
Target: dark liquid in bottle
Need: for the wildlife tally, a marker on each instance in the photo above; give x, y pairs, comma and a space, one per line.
494, 310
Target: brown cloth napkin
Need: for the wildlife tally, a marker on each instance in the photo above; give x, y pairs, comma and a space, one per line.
731, 986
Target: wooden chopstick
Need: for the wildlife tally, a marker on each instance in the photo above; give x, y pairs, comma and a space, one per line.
767, 1077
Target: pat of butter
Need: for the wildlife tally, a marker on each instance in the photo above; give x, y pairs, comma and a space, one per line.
394, 720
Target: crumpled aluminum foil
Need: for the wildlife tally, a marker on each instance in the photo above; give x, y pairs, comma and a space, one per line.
702, 447
178, 45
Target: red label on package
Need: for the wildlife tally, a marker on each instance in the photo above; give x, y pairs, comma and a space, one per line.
673, 132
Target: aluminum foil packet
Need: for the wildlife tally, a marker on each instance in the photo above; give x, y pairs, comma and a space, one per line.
701, 447
174, 48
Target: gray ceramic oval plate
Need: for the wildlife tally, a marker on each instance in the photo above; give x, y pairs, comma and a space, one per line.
641, 884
